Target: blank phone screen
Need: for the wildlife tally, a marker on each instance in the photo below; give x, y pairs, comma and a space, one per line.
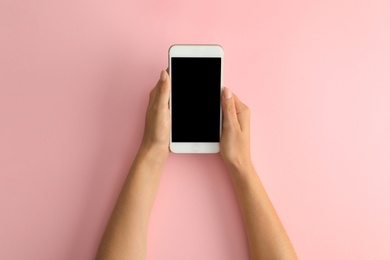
196, 94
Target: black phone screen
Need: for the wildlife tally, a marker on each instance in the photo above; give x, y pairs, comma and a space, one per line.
196, 97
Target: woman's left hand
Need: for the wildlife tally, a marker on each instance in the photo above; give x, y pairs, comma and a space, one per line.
158, 118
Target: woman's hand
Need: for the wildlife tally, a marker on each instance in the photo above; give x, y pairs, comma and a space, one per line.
235, 139
158, 119
126, 233
267, 238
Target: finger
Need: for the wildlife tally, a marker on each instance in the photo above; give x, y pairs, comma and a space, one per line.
152, 96
243, 113
228, 109
155, 91
163, 91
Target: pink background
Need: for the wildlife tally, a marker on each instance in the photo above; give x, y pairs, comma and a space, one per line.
74, 84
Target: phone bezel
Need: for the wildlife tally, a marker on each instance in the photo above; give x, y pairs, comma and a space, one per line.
197, 50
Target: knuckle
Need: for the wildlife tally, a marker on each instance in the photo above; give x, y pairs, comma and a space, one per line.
246, 110
229, 106
151, 94
164, 87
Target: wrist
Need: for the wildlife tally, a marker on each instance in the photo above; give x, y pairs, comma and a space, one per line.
238, 163
241, 169
155, 152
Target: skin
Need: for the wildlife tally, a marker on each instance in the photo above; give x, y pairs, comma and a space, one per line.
267, 238
125, 236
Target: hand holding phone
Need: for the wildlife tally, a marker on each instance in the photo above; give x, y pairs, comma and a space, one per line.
235, 139
158, 120
196, 75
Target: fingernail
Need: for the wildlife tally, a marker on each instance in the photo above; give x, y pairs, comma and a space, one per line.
163, 75
227, 94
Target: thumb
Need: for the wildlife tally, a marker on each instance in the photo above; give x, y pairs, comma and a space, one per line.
228, 108
164, 87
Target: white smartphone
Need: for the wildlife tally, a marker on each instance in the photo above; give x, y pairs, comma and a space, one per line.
196, 73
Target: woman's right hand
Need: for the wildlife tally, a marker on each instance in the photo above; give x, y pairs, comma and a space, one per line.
235, 139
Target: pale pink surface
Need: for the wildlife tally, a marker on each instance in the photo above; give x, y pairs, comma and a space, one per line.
74, 84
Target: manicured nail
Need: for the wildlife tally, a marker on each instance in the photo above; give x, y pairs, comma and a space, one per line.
227, 94
163, 75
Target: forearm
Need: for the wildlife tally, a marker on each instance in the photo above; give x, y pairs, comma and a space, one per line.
266, 236
126, 233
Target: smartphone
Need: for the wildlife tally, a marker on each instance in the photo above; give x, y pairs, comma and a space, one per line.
196, 73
